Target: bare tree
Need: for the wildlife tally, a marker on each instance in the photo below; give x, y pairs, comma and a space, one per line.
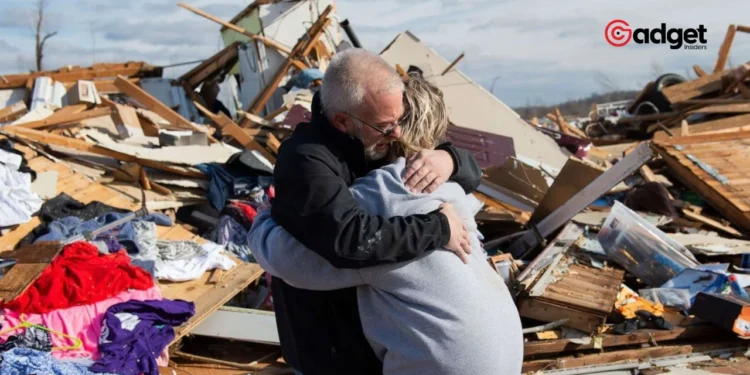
41, 6
656, 69
606, 81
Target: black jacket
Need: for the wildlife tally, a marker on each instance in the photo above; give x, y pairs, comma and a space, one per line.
321, 332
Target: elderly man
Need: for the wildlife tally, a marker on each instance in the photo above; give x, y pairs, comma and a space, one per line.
355, 120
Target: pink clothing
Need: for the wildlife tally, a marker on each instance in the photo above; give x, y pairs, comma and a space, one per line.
83, 322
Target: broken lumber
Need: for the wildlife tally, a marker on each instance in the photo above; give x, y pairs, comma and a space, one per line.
212, 66
66, 118
76, 144
721, 62
158, 107
453, 64
279, 111
699, 71
228, 127
724, 154
575, 175
312, 34
75, 73
267, 41
13, 112
692, 89
711, 223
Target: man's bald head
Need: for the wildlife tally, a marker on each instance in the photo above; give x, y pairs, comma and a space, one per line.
354, 74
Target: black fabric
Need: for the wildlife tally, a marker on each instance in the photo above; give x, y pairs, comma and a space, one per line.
651, 197
62, 206
31, 338
321, 332
7, 145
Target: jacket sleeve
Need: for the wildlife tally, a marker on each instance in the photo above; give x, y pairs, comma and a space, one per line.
466, 170
283, 256
315, 206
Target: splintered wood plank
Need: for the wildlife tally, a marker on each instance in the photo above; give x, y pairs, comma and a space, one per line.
66, 118
726, 46
233, 130
724, 108
538, 309
607, 358
156, 106
13, 112
212, 65
30, 262
691, 89
73, 74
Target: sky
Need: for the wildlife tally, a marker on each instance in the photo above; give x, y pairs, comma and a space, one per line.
530, 52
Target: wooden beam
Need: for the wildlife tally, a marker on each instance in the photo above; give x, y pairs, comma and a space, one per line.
720, 124
73, 74
267, 41
559, 121
606, 358
228, 127
255, 119
66, 118
104, 86
279, 111
744, 29
699, 71
711, 223
143, 178
312, 34
76, 144
641, 336
13, 112
726, 46
157, 107
273, 143
692, 89
453, 64
211, 66
723, 108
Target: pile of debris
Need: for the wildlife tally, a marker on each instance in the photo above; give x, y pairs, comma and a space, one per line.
613, 248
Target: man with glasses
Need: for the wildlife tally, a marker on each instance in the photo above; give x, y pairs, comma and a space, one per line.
355, 121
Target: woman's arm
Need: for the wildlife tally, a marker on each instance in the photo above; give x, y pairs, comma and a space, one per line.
283, 256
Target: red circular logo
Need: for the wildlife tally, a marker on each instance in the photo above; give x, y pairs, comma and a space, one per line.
618, 33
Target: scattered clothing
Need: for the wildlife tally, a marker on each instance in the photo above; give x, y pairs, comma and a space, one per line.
133, 331
235, 178
31, 338
249, 211
7, 146
23, 361
82, 322
117, 238
10, 160
177, 260
79, 275
63, 206
17, 202
416, 316
238, 214
233, 236
193, 268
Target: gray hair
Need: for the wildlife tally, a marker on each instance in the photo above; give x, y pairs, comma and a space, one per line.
351, 74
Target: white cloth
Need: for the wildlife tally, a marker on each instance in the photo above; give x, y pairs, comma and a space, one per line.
192, 268
17, 202
11, 160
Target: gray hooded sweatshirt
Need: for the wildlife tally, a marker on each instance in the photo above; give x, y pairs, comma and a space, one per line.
431, 315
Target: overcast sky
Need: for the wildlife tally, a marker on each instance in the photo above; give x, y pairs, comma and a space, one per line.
537, 52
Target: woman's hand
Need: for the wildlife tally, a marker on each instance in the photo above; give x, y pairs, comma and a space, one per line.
427, 170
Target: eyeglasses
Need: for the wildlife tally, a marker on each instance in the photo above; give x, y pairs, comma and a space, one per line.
384, 131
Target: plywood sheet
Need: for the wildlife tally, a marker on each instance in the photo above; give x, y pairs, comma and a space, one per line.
727, 154
30, 262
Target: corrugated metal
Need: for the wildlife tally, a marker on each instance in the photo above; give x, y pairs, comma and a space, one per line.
489, 149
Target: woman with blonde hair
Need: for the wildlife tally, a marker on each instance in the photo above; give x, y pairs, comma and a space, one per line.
430, 315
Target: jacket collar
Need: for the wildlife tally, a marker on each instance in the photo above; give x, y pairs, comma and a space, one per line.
352, 148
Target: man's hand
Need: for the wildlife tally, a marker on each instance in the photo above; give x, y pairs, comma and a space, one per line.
459, 242
427, 170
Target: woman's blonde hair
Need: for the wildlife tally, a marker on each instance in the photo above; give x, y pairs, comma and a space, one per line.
425, 118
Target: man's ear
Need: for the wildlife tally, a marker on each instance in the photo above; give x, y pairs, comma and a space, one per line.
340, 122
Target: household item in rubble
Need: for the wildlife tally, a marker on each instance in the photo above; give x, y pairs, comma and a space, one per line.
728, 311
696, 280
674, 298
641, 248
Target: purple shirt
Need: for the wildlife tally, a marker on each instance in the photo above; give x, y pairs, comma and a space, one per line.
135, 333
